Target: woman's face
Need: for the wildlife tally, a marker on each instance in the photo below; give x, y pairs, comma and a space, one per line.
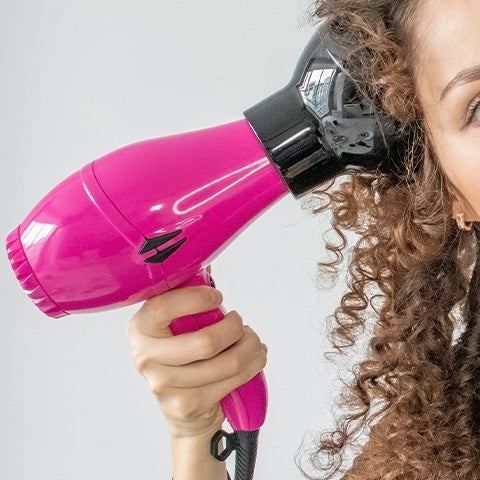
448, 82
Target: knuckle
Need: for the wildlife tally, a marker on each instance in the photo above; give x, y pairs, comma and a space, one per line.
237, 320
261, 351
234, 366
263, 359
158, 386
131, 326
257, 363
141, 361
205, 345
251, 336
248, 330
185, 408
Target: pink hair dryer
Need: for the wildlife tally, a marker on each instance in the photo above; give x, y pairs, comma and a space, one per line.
149, 217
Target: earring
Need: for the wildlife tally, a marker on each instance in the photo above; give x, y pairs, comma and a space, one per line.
461, 223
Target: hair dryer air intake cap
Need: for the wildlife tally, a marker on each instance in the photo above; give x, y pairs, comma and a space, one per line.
27, 278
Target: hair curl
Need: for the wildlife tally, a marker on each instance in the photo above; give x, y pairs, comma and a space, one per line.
417, 392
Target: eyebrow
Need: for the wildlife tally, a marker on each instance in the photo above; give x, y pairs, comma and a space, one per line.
461, 78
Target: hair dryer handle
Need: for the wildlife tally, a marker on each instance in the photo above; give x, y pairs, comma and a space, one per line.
245, 407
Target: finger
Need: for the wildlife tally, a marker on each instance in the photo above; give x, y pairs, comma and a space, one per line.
189, 403
187, 348
249, 369
230, 363
158, 312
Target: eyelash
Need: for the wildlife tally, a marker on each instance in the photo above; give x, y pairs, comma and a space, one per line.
471, 109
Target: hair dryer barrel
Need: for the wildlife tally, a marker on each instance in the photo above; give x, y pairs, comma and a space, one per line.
142, 219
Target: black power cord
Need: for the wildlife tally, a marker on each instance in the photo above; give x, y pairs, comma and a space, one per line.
244, 444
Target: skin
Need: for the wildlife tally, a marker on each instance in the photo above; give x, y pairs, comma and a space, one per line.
448, 40
190, 373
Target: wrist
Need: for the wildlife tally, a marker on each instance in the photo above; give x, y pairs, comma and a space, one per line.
207, 424
192, 460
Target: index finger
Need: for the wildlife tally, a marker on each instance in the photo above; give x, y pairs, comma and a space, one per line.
157, 313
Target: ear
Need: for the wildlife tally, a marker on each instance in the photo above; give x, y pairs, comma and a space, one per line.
461, 207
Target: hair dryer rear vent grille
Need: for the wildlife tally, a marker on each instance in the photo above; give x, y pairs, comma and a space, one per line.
27, 278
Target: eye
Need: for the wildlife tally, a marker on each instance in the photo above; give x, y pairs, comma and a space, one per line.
473, 111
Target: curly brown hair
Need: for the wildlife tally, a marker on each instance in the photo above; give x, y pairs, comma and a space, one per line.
416, 395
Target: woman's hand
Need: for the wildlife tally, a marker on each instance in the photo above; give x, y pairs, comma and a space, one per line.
190, 373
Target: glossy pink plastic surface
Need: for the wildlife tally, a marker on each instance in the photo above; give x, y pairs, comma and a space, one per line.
78, 250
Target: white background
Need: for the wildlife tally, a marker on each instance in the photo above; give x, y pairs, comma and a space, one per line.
80, 79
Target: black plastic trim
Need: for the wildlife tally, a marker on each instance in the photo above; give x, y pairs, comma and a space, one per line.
164, 254
152, 243
321, 125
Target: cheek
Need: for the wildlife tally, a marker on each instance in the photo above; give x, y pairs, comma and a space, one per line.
459, 157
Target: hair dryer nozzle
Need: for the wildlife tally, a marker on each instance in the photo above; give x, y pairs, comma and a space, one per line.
321, 125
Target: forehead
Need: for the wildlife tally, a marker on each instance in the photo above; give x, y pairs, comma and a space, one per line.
448, 40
